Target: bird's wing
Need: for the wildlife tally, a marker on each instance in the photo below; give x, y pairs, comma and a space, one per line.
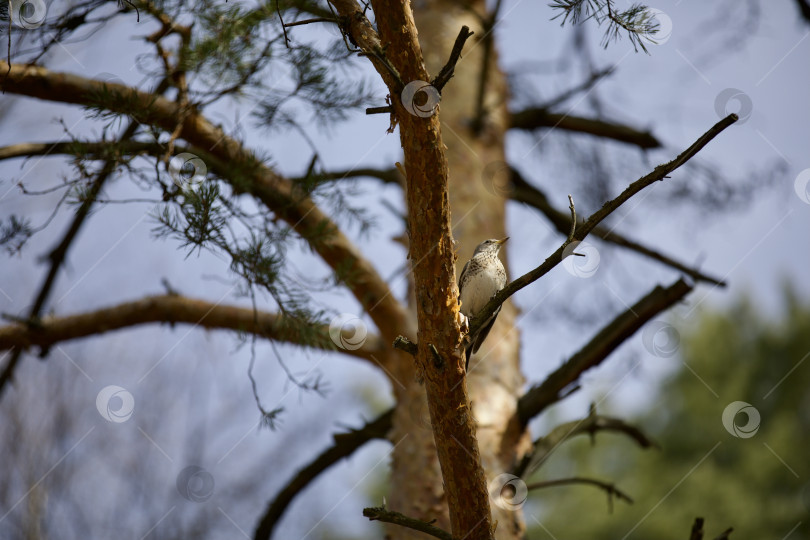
482, 334
461, 275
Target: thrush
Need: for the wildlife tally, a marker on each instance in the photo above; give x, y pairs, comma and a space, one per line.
481, 277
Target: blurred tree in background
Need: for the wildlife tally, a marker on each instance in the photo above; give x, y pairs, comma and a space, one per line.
758, 482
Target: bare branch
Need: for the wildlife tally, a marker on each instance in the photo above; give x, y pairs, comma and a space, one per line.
582, 87
611, 489
388, 516
573, 218
345, 445
597, 349
583, 230
522, 191
449, 68
488, 22
388, 176
590, 425
235, 164
59, 252
171, 308
536, 117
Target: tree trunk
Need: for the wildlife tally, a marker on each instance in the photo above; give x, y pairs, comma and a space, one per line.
478, 212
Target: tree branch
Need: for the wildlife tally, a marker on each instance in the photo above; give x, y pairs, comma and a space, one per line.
536, 117
590, 425
237, 165
522, 191
611, 489
449, 68
59, 252
388, 516
99, 149
583, 230
172, 308
345, 445
597, 349
432, 256
488, 22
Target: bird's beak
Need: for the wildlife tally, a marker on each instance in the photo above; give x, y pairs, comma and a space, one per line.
502, 242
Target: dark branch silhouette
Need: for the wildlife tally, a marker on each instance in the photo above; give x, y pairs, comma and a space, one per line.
536, 118
590, 425
598, 348
345, 445
388, 516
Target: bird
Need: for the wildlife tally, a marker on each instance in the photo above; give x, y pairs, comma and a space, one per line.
480, 279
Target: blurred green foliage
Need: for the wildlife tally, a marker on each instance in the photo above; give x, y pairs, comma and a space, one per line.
759, 485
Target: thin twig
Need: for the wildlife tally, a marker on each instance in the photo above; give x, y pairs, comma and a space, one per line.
582, 87
609, 207
522, 191
404, 344
449, 68
310, 21
380, 110
611, 489
573, 218
388, 516
379, 54
590, 425
283, 26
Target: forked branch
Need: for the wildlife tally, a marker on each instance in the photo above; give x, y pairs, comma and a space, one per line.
590, 425
582, 231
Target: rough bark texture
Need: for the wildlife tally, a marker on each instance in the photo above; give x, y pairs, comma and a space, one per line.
397, 55
172, 308
478, 212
